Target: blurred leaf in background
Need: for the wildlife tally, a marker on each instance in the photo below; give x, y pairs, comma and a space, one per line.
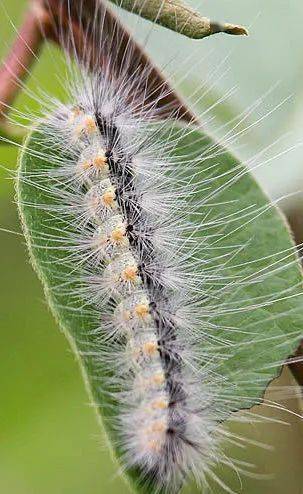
49, 438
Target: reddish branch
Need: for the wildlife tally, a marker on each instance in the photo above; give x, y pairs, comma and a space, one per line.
23, 53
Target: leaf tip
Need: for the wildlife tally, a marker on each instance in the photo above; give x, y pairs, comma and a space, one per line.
233, 29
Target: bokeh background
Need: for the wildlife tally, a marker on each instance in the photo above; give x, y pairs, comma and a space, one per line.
50, 442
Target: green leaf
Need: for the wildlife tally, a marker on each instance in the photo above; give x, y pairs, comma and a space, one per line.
179, 17
261, 304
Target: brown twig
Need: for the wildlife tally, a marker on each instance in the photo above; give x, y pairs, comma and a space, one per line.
23, 53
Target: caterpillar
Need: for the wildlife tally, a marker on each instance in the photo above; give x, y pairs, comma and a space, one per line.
125, 203
116, 193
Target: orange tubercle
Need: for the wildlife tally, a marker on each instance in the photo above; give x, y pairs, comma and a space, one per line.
158, 378
150, 348
141, 310
158, 427
118, 235
89, 124
160, 404
108, 198
129, 273
100, 161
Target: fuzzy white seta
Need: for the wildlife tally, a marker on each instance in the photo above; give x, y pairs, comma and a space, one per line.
134, 216
128, 220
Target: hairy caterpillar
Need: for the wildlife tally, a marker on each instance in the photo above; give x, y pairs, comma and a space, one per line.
126, 206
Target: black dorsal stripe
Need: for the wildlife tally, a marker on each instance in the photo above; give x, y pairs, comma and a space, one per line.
122, 177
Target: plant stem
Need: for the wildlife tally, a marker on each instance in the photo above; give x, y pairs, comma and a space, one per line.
23, 53
179, 17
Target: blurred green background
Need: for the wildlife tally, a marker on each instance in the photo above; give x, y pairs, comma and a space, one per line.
49, 438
